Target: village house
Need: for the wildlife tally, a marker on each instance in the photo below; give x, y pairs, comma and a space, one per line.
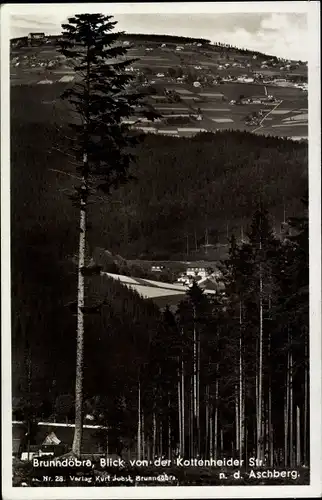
36, 38
157, 269
197, 271
53, 439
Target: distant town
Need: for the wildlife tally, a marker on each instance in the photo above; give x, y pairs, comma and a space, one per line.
192, 86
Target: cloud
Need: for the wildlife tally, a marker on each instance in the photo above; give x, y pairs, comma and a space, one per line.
276, 34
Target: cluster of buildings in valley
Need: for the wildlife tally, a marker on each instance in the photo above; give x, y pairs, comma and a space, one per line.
198, 272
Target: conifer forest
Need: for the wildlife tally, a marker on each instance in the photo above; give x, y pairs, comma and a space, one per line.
220, 376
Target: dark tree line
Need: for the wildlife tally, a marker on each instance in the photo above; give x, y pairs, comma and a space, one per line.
183, 187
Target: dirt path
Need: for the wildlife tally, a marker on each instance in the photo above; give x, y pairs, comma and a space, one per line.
260, 123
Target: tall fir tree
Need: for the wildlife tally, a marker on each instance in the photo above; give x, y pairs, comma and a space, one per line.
101, 144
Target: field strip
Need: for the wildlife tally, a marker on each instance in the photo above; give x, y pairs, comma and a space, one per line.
206, 94
44, 82
280, 111
222, 120
164, 108
168, 132
215, 109
178, 115
66, 78
63, 72
303, 116
296, 124
189, 129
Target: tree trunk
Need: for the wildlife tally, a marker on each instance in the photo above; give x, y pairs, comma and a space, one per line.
107, 443
179, 412
183, 408
198, 395
77, 442
286, 412
237, 419
291, 412
169, 429
221, 441
216, 422
154, 432
241, 384
270, 424
305, 440
139, 422
161, 439
270, 427
211, 451
298, 437
143, 437
207, 420
192, 418
194, 364
260, 373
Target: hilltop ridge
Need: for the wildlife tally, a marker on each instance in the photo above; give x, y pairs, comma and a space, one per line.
192, 84
175, 39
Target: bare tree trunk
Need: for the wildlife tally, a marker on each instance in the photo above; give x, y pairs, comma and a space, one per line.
241, 384
269, 418
169, 429
291, 412
216, 422
298, 437
270, 427
237, 419
179, 411
222, 441
305, 401
246, 444
143, 437
183, 407
139, 422
286, 412
198, 394
161, 439
192, 451
154, 433
194, 364
77, 442
260, 373
256, 384
211, 451
207, 420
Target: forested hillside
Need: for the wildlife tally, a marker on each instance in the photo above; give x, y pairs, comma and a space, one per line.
222, 377
183, 187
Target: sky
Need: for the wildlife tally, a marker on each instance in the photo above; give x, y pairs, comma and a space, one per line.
276, 32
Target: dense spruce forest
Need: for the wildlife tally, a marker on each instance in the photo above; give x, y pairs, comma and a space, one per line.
167, 383
187, 382
183, 187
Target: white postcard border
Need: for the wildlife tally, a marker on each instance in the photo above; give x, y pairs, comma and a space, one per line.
315, 488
